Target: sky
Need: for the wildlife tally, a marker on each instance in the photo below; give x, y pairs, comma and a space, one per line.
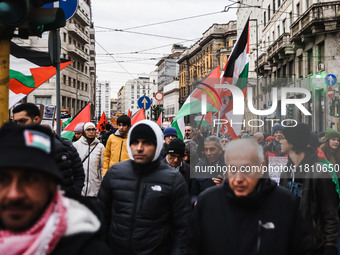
129, 54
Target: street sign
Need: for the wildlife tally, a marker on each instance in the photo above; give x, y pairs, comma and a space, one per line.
330, 93
69, 7
330, 80
144, 102
159, 96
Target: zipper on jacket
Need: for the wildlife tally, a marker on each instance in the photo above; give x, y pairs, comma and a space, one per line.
120, 153
88, 172
133, 219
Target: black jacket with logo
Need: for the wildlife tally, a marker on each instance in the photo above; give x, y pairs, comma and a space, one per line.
70, 165
145, 208
266, 222
317, 196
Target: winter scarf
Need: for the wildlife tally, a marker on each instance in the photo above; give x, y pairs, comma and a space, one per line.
42, 237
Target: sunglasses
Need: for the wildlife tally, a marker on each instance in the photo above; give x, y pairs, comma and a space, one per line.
90, 129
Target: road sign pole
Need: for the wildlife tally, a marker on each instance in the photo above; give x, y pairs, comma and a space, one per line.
4, 79
335, 116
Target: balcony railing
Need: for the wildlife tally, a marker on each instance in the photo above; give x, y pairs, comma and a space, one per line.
78, 33
72, 49
314, 18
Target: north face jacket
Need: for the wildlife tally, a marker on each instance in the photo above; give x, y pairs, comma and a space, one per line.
145, 207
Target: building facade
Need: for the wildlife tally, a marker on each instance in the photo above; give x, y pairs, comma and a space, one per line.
134, 89
78, 79
121, 101
167, 67
114, 106
171, 96
206, 54
300, 42
103, 96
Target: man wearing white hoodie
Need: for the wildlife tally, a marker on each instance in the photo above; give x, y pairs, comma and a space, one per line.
144, 201
35, 217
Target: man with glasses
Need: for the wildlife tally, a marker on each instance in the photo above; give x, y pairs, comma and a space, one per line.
175, 157
66, 156
247, 214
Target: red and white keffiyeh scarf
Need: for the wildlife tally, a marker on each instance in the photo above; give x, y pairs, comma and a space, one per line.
42, 237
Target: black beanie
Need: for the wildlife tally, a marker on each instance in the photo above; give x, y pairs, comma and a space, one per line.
143, 131
297, 136
176, 146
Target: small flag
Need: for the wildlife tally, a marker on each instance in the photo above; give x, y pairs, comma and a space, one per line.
102, 123
159, 121
138, 116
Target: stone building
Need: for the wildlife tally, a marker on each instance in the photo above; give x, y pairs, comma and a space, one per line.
206, 54
300, 47
78, 79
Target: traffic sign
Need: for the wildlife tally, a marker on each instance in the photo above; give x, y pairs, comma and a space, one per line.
69, 7
330, 80
144, 102
159, 96
330, 93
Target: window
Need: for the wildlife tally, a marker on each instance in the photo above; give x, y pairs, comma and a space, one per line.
268, 13
46, 100
298, 10
273, 6
290, 18
278, 3
284, 26
264, 18
64, 79
321, 53
310, 61
307, 4
64, 37
69, 40
300, 66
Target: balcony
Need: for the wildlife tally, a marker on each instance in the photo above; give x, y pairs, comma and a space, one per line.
82, 17
320, 17
73, 50
280, 48
75, 31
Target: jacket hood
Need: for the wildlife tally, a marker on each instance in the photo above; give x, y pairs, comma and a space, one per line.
158, 133
79, 218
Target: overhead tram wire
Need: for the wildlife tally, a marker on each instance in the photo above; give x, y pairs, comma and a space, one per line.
118, 63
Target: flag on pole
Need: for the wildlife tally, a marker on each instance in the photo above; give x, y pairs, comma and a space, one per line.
129, 113
138, 116
159, 121
102, 122
83, 115
28, 70
235, 73
193, 104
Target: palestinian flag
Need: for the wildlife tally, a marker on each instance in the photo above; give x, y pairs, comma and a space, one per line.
159, 121
138, 116
28, 70
102, 122
84, 115
235, 73
193, 104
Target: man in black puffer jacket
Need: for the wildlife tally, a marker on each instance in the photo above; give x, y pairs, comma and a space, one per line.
144, 201
248, 214
66, 156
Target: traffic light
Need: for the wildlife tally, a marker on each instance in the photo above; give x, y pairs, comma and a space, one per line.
29, 17
290, 111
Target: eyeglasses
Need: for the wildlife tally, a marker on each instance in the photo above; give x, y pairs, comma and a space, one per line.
90, 129
173, 157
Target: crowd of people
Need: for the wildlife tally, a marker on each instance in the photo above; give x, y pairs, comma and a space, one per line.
135, 190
